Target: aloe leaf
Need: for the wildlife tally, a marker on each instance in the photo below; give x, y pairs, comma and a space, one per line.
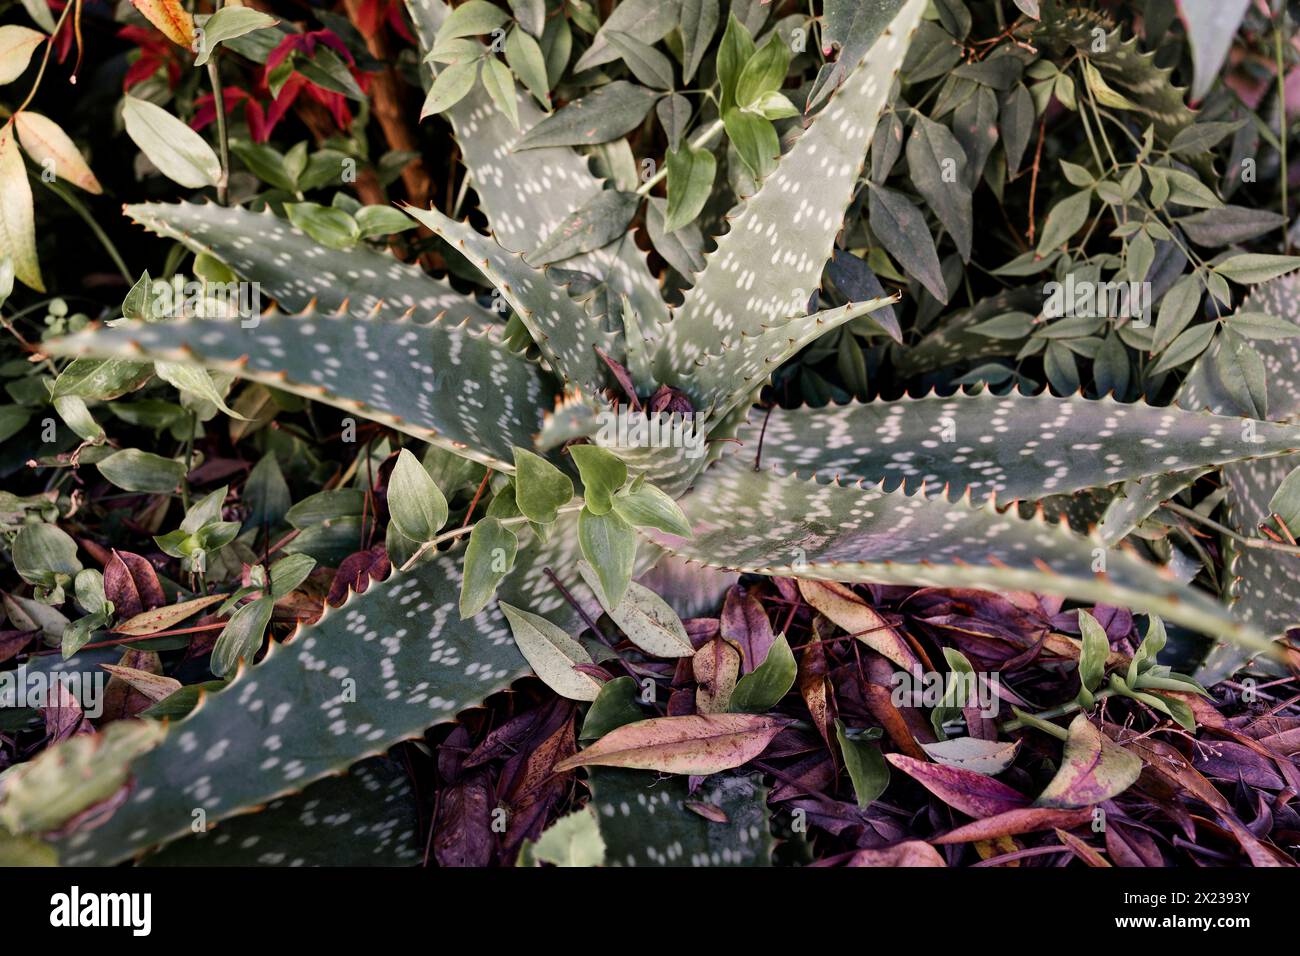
1148, 87
647, 820
1264, 588
366, 817
1013, 446
436, 381
762, 522
563, 331
526, 195
723, 379
295, 270
1139, 499
378, 670
769, 262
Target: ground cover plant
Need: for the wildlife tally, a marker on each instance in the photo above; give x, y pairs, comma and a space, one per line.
641, 433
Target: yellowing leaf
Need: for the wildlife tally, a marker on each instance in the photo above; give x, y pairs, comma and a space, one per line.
16, 47
1094, 769
644, 617
698, 744
551, 653
716, 666
154, 686
171, 18
854, 615
45, 142
161, 618
17, 215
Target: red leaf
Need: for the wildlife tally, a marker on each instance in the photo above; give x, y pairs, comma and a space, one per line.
131, 583
1012, 822
745, 624
972, 793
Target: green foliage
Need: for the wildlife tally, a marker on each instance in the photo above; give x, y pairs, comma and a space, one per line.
888, 488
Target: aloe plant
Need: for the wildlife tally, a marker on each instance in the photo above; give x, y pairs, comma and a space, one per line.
910, 491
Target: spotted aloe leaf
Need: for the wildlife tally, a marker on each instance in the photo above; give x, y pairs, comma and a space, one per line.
295, 271
763, 522
366, 817
525, 195
771, 259
1264, 586
380, 669
1011, 446
725, 378
436, 381
567, 336
1148, 87
647, 820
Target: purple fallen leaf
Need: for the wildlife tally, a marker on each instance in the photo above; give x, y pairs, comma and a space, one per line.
972, 793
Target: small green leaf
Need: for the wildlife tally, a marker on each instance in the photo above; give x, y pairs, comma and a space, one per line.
541, 489
1252, 267
328, 225
1285, 502
415, 502
615, 706
1176, 310
488, 559
472, 18
1092, 658
197, 381
606, 113
500, 84
597, 223
289, 572
603, 474
734, 51
762, 688
242, 636
755, 140
41, 550
449, 87
867, 768
1064, 220
133, 470
646, 63
228, 23
764, 71
690, 181
609, 545
649, 507
525, 57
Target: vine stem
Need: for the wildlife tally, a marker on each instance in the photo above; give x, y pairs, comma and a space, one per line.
466, 529
45, 60
1282, 130
698, 142
219, 102
1263, 544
